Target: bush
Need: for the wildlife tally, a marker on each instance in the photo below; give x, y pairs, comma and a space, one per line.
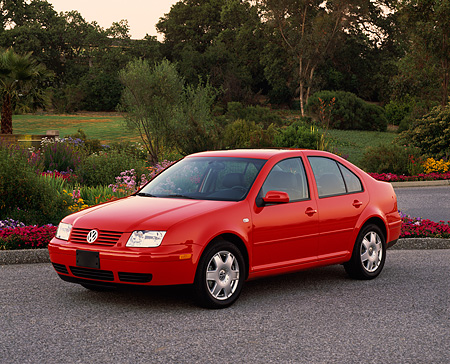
298, 135
247, 134
392, 158
397, 110
431, 133
103, 167
25, 195
348, 112
257, 114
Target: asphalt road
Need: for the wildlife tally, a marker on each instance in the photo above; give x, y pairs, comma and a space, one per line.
426, 202
317, 316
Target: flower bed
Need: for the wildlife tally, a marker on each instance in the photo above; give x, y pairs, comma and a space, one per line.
413, 227
25, 237
389, 177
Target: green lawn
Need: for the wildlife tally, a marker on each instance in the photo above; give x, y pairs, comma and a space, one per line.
353, 143
106, 127
109, 127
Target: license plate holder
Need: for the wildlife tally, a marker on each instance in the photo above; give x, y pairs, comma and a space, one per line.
88, 259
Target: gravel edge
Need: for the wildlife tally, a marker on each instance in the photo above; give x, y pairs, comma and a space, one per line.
30, 256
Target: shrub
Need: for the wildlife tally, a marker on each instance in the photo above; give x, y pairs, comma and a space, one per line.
391, 158
247, 134
348, 112
103, 167
298, 135
431, 133
25, 195
397, 110
257, 114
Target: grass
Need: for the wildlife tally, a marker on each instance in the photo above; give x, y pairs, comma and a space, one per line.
108, 127
353, 143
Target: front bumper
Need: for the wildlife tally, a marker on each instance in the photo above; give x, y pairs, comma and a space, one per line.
117, 265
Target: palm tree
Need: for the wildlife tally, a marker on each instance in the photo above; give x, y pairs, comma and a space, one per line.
20, 76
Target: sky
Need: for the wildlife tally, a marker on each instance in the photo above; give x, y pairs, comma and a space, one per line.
142, 15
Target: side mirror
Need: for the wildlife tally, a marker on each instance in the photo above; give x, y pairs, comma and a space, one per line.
276, 197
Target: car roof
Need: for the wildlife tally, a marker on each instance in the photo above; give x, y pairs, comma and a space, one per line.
247, 153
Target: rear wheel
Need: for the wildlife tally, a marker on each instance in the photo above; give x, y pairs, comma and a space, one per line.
369, 254
220, 275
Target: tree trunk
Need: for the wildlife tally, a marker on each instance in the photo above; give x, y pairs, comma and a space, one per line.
6, 115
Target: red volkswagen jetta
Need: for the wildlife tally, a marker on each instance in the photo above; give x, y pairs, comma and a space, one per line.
216, 219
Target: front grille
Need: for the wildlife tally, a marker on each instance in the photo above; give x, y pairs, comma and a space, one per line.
103, 275
108, 238
60, 268
135, 277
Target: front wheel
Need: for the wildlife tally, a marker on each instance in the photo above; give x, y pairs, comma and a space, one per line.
369, 254
220, 275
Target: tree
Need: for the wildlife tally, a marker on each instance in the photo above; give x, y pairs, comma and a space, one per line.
309, 31
426, 25
17, 73
151, 100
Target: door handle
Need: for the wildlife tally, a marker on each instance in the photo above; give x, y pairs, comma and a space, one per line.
310, 211
357, 203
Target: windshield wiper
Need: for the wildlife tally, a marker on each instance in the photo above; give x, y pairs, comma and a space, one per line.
144, 194
178, 196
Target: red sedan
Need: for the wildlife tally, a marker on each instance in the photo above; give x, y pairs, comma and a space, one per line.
216, 219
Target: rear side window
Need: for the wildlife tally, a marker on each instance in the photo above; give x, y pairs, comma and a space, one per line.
332, 178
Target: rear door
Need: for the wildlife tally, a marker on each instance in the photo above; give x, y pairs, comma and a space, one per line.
341, 200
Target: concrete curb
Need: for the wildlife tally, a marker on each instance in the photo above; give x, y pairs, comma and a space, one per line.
445, 182
29, 256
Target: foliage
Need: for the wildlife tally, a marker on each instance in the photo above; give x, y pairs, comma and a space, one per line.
348, 111
26, 237
102, 168
431, 133
426, 64
247, 134
298, 135
20, 76
24, 194
390, 158
195, 129
151, 100
258, 114
397, 110
102, 91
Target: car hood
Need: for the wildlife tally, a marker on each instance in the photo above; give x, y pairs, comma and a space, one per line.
142, 213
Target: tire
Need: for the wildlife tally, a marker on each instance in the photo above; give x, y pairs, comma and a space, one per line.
369, 254
220, 275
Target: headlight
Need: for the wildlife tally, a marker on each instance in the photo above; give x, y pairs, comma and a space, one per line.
146, 239
63, 231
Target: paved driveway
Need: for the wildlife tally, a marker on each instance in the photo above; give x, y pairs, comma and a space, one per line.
317, 316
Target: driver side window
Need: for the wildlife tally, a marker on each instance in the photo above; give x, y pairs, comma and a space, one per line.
288, 176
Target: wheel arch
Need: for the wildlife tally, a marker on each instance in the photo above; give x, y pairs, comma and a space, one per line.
379, 223
238, 242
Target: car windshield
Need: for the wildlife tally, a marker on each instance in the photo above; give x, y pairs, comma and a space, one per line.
206, 178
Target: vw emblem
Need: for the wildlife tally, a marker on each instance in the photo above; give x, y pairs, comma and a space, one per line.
92, 236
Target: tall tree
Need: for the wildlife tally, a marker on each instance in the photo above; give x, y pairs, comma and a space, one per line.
151, 100
426, 24
309, 31
17, 72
